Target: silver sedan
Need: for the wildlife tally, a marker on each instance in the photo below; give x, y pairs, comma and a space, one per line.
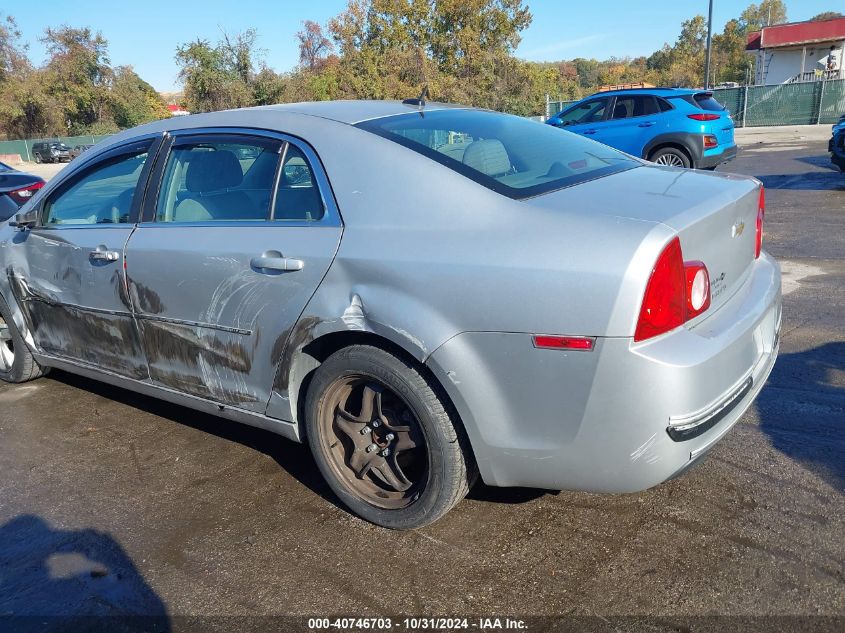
424, 293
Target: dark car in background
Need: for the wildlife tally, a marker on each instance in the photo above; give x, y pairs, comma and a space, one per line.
836, 145
676, 127
16, 187
51, 152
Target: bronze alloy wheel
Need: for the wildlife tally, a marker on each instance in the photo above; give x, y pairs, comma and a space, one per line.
373, 442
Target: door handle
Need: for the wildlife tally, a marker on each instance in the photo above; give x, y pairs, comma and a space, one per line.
103, 254
274, 260
646, 124
589, 131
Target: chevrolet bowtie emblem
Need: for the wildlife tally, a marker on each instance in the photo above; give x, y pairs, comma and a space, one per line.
738, 228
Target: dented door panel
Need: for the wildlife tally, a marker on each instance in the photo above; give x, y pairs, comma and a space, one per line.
211, 324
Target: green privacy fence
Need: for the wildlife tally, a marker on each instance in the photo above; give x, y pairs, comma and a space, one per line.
806, 103
24, 148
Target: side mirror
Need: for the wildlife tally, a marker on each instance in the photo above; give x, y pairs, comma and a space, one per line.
25, 220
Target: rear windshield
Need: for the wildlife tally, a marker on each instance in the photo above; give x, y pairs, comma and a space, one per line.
706, 101
511, 155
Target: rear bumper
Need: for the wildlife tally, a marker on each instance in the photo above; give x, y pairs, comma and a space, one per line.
726, 154
604, 421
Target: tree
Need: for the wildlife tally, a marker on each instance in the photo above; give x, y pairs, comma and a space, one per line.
13, 59
827, 15
133, 101
314, 46
767, 13
217, 77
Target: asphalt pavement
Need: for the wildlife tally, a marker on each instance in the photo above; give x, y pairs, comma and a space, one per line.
113, 503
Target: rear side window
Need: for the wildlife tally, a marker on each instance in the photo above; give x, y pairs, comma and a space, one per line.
705, 101
664, 105
634, 106
297, 197
511, 155
218, 181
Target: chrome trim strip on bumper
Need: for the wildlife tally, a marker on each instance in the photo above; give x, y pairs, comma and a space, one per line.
688, 427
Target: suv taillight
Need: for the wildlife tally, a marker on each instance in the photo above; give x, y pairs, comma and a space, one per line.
677, 291
703, 117
25, 193
761, 213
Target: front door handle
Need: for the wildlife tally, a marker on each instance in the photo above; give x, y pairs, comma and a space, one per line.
274, 260
103, 254
646, 124
589, 131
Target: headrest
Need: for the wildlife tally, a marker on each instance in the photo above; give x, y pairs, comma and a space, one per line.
213, 171
488, 156
620, 111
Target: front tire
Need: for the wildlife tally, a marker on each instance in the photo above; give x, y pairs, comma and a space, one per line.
16, 362
670, 157
384, 440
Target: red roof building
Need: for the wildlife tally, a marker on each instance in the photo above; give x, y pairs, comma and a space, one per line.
801, 51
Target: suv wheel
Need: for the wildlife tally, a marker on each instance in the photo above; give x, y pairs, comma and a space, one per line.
16, 361
670, 157
384, 440
38, 158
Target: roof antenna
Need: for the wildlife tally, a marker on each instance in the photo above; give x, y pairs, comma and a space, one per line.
419, 101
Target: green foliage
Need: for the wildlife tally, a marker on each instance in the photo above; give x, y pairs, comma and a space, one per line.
827, 15
75, 92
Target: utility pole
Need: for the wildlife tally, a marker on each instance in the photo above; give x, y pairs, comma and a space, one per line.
709, 46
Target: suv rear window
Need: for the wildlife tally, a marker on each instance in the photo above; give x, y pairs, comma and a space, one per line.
511, 155
706, 101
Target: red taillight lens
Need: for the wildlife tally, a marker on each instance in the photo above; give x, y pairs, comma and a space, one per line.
703, 117
664, 302
25, 193
677, 291
710, 141
698, 288
582, 343
761, 212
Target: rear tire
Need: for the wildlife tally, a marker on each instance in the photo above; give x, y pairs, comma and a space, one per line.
16, 362
670, 157
38, 158
384, 440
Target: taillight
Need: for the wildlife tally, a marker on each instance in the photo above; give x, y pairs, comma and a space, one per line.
702, 116
25, 193
664, 306
761, 212
677, 291
710, 141
698, 288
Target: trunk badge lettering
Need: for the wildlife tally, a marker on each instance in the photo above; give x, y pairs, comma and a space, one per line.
738, 228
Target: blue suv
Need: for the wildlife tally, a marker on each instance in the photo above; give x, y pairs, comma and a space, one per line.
669, 126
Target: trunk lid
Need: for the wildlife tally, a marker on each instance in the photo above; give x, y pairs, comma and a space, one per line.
714, 215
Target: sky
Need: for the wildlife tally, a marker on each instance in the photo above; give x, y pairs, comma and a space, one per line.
145, 34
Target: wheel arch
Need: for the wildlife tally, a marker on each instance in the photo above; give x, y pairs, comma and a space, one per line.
681, 142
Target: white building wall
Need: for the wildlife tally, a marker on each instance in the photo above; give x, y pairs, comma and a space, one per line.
779, 65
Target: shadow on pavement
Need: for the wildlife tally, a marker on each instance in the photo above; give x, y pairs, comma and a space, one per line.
802, 410
61, 580
809, 181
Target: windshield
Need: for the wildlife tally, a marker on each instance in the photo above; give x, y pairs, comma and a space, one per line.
511, 155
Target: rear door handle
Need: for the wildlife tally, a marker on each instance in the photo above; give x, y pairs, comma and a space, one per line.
274, 260
103, 254
646, 124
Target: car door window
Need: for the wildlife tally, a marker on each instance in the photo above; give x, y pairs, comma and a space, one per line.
218, 180
588, 112
634, 106
101, 195
297, 197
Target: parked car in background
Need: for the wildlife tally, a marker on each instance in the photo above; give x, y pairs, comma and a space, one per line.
16, 188
50, 152
78, 149
836, 145
472, 293
669, 126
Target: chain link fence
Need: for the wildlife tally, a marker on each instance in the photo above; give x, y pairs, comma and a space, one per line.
23, 148
808, 103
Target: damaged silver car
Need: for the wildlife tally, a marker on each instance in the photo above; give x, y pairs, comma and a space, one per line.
424, 293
